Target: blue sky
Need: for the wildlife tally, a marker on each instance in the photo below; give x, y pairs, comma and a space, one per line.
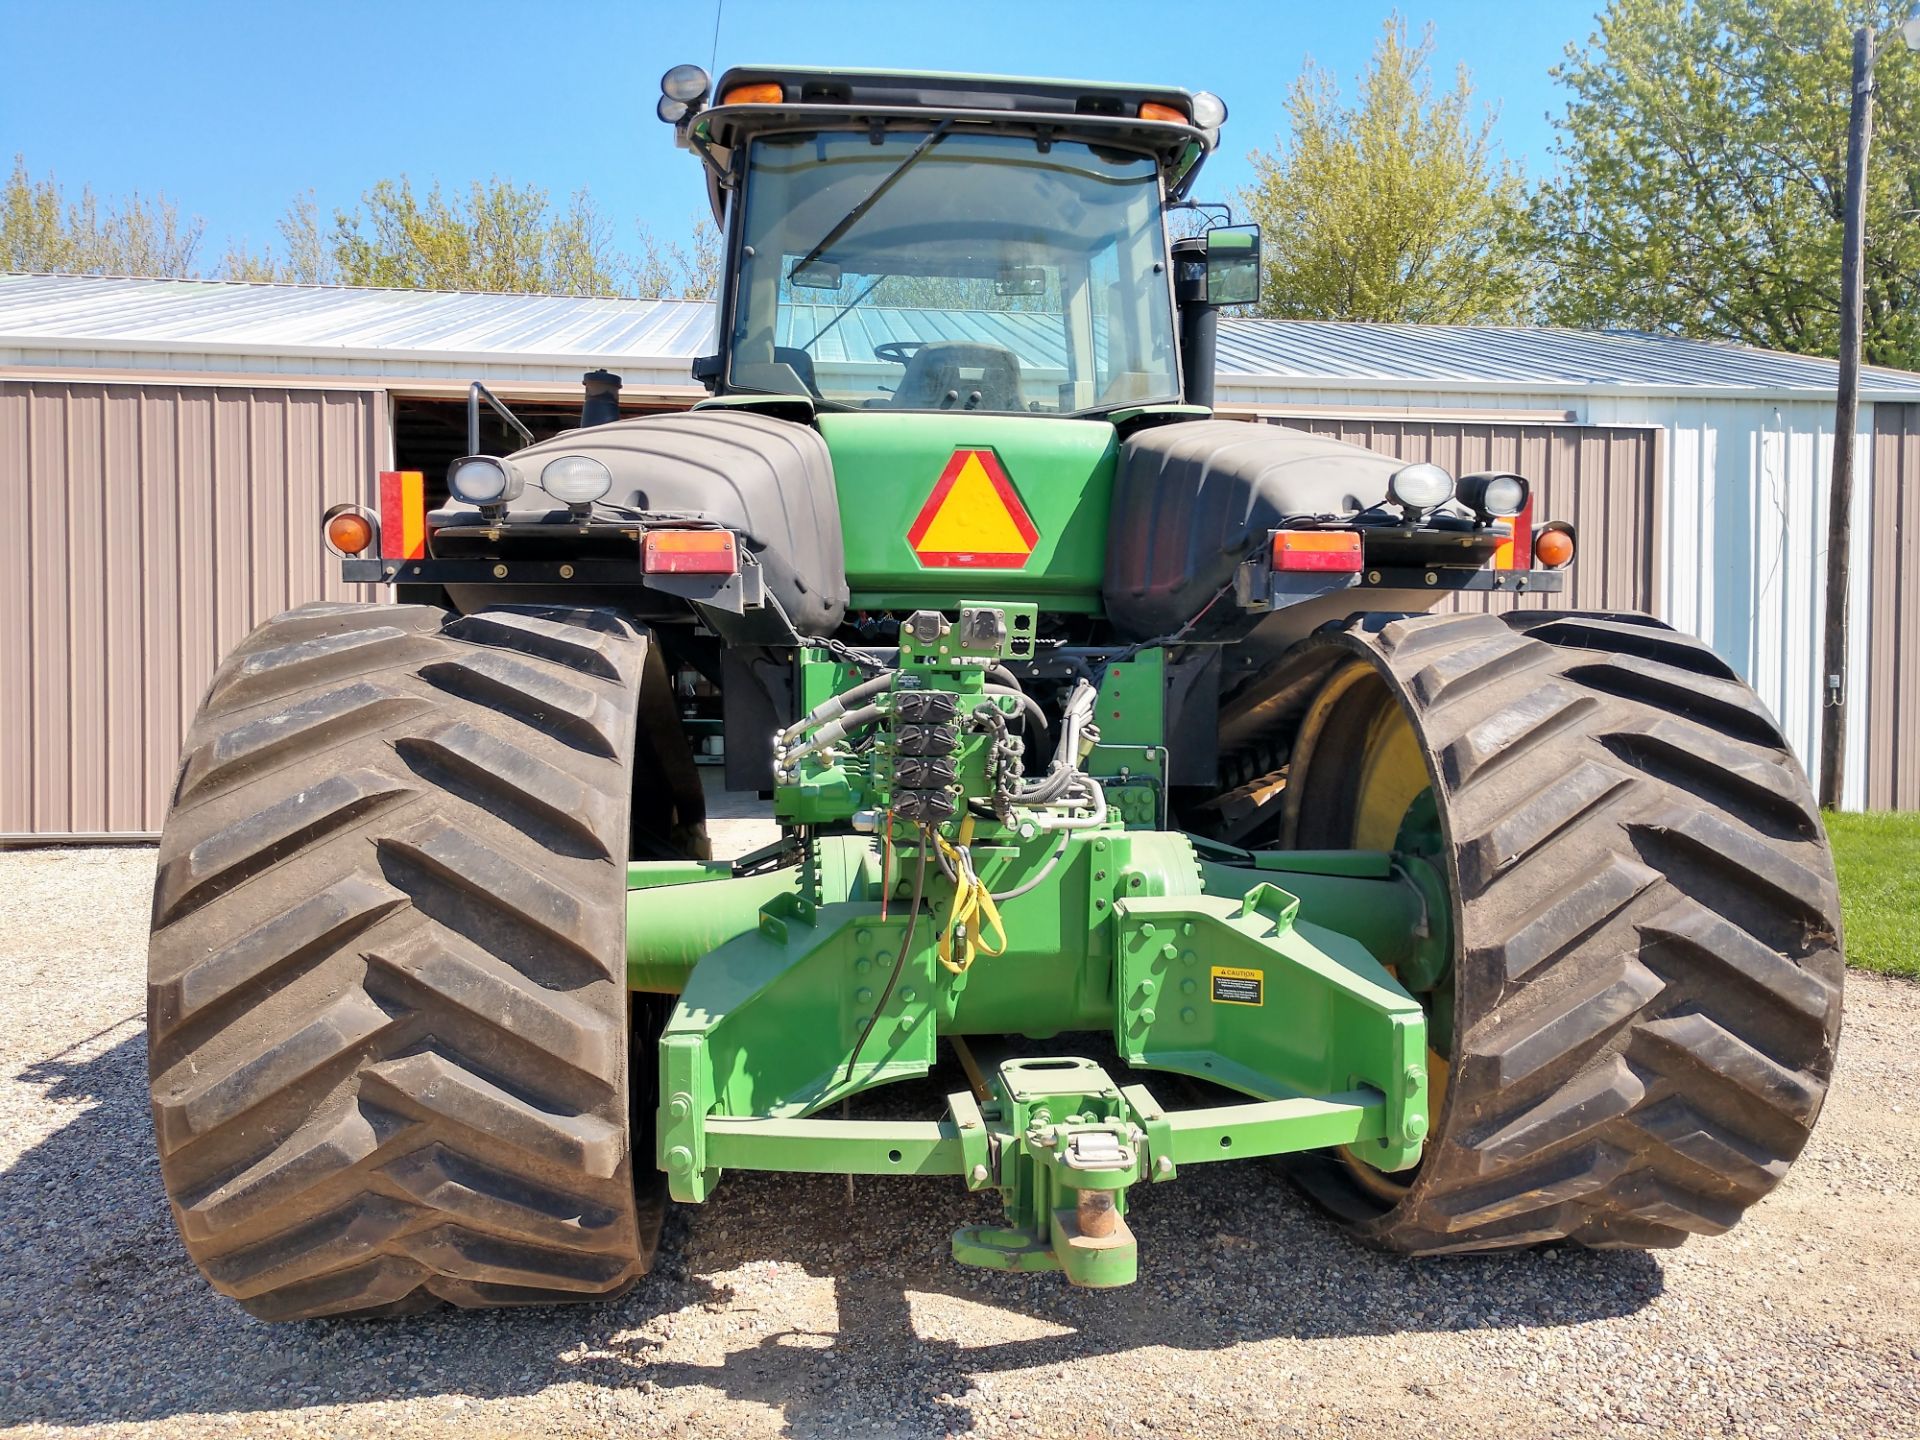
234, 108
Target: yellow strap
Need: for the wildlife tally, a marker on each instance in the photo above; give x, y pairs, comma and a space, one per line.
972, 902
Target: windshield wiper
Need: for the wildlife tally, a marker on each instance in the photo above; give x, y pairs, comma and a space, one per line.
852, 217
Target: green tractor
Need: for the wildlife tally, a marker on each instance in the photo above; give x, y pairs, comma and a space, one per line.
1118, 754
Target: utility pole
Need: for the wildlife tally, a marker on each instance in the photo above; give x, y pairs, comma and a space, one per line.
1846, 410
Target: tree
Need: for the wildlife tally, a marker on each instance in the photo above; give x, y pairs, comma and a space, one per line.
41, 230
309, 259
1398, 208
1703, 176
495, 236
669, 270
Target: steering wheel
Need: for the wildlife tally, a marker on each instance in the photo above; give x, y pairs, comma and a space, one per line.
897, 352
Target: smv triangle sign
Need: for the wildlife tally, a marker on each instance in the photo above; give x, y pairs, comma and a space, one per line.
974, 518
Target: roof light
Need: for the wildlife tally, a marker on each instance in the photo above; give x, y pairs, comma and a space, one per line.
483, 480
689, 552
688, 84
1419, 488
1209, 110
1154, 110
671, 110
765, 92
1322, 550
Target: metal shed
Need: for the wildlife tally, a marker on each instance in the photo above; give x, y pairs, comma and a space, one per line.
217, 419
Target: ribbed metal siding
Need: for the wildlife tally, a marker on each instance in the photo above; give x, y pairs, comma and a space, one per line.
1892, 619
1599, 478
153, 527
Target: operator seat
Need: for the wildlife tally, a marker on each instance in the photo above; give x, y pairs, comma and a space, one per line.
944, 366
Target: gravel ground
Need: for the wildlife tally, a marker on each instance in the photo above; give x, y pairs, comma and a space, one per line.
787, 1312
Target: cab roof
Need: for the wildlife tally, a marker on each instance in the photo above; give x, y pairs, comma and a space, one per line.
1096, 110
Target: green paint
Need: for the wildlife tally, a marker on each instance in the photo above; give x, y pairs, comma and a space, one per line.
885, 466
802, 987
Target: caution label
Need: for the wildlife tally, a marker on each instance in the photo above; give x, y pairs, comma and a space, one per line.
1238, 987
973, 519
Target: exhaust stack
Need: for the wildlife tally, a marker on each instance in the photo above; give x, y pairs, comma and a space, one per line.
602, 401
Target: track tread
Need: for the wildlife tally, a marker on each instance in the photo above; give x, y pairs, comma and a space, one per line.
388, 1025
1648, 980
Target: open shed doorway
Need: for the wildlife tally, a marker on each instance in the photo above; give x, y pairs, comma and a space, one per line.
430, 431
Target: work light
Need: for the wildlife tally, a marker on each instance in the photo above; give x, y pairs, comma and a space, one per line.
1418, 488
483, 480
576, 479
1209, 110
1495, 495
686, 83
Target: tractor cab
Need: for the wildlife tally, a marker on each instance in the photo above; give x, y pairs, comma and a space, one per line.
913, 242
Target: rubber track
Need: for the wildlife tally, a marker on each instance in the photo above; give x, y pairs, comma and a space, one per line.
1648, 970
387, 1012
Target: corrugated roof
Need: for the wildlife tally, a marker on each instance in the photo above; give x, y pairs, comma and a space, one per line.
46, 311
1525, 357
230, 317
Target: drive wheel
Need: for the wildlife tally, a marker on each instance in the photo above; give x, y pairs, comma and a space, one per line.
1636, 1031
387, 1014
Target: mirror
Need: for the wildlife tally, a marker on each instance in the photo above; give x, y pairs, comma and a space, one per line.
1233, 265
817, 275
1020, 280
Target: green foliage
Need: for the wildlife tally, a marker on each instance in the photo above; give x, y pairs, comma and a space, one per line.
691, 272
40, 229
1878, 857
1398, 208
1703, 179
309, 259
494, 236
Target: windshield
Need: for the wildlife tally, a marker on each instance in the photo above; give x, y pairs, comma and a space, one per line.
944, 270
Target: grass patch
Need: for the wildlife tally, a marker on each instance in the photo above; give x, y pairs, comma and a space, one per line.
1878, 857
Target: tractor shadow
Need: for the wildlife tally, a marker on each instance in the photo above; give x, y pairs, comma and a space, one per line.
777, 1293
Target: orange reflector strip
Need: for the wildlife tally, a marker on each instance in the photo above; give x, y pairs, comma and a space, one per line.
1154, 110
765, 93
1337, 550
689, 552
1516, 553
403, 515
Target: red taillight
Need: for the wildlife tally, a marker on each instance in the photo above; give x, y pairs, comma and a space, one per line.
1337, 550
689, 552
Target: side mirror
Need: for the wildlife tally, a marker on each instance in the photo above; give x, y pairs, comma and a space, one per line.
1233, 265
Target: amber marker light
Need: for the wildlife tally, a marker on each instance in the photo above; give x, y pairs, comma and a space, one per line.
765, 93
349, 533
1553, 546
1154, 110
